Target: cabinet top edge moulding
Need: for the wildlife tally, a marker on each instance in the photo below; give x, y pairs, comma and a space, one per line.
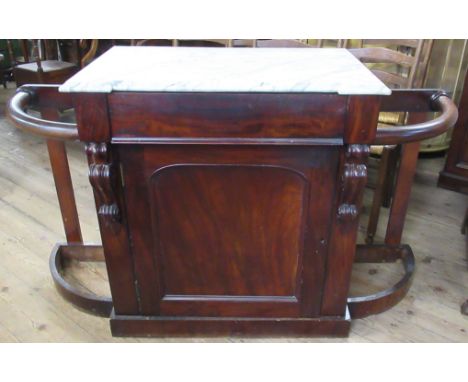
273, 70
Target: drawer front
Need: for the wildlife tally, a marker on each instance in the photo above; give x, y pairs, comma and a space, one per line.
229, 231
147, 116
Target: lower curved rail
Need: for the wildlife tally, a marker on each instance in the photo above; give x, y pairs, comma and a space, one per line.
363, 306
87, 301
359, 307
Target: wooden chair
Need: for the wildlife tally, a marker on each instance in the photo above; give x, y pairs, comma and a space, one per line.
400, 64
9, 53
44, 70
291, 43
280, 44
333, 43
87, 52
235, 43
214, 43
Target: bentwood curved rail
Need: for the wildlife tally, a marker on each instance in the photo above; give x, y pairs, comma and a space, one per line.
422, 100
435, 100
29, 96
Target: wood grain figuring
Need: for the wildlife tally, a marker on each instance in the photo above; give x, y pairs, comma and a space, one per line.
361, 119
217, 115
92, 117
229, 230
235, 231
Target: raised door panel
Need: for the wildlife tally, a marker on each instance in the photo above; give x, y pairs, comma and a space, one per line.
229, 232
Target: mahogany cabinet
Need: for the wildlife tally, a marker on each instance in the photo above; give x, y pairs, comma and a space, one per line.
229, 220
228, 185
454, 176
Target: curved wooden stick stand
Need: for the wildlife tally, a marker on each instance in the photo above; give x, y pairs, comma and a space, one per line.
87, 301
379, 302
401, 100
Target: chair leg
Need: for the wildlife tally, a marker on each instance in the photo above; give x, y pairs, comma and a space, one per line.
63, 184
378, 195
3, 78
389, 185
404, 180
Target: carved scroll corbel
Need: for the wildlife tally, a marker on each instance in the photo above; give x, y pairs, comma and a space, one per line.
353, 181
103, 179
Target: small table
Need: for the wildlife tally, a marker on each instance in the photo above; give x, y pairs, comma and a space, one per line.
228, 185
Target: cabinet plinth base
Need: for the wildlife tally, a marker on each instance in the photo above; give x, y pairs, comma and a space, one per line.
145, 326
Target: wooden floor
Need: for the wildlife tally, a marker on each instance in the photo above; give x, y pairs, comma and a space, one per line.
30, 224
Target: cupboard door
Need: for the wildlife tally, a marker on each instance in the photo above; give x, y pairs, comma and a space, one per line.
230, 231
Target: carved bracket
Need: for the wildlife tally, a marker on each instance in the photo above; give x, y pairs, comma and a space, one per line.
353, 181
103, 179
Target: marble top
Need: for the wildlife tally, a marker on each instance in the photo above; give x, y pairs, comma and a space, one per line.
168, 69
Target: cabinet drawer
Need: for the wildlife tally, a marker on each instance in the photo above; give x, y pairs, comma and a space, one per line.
216, 115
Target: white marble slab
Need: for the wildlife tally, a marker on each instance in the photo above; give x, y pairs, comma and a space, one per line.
167, 69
